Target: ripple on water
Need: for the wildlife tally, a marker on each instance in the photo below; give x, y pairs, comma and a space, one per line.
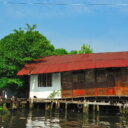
39, 119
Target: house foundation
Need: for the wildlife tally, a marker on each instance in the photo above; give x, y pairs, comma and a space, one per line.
84, 105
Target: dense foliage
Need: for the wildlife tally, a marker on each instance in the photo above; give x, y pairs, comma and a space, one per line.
60, 51
18, 48
84, 49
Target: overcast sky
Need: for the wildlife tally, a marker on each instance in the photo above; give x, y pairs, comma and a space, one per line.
70, 23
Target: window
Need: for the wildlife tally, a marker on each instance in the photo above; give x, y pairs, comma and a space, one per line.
44, 80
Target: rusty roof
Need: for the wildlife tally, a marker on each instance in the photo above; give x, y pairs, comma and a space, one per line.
63, 63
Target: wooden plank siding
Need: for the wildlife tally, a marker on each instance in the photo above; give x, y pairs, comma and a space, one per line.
66, 81
95, 82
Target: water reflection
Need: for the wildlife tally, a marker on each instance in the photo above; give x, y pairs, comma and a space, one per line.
41, 119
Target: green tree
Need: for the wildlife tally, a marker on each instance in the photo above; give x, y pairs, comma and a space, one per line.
73, 52
60, 51
19, 47
85, 49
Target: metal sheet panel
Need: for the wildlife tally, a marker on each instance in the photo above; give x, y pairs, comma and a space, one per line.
75, 62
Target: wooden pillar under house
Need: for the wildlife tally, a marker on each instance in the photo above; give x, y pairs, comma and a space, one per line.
58, 105
122, 109
47, 106
94, 108
66, 107
85, 107
51, 108
66, 110
30, 105
97, 108
126, 109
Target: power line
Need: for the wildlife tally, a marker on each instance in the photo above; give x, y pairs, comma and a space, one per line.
64, 4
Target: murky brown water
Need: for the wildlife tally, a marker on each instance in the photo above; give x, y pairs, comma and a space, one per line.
40, 119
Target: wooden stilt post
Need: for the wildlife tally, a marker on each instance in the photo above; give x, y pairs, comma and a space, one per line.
66, 109
47, 107
85, 107
58, 105
85, 118
31, 104
51, 106
13, 105
97, 117
97, 108
94, 108
126, 109
94, 112
122, 109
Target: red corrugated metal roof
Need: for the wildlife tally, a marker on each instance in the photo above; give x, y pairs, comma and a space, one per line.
75, 62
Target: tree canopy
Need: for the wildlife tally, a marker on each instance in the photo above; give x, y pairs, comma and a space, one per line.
85, 48
18, 48
73, 52
60, 51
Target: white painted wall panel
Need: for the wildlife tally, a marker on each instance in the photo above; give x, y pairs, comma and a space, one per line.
44, 92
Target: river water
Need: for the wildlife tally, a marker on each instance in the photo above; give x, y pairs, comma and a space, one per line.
41, 119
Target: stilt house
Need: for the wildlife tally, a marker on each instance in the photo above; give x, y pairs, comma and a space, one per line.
79, 75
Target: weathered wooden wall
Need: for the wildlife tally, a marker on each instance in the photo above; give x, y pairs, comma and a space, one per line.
95, 82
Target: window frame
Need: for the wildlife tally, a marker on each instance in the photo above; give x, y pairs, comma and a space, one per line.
45, 80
